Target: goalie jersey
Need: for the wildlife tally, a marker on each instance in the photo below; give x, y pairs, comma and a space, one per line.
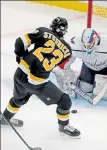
97, 60
48, 52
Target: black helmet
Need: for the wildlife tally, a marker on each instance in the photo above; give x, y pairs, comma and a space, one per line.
59, 26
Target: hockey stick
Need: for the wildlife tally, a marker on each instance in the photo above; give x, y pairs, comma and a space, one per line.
30, 148
81, 93
88, 98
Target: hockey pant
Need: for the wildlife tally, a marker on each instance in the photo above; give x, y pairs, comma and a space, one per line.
46, 92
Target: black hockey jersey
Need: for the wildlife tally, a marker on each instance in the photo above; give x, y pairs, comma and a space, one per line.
48, 52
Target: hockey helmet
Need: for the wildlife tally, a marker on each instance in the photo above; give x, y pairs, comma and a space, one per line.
90, 40
59, 26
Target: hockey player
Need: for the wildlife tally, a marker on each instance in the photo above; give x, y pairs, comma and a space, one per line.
32, 75
92, 50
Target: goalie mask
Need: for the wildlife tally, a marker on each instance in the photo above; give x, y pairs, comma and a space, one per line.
90, 40
59, 26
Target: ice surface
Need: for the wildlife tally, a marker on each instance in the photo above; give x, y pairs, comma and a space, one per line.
40, 123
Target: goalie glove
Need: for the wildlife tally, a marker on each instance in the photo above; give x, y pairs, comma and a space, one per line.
64, 77
59, 74
69, 76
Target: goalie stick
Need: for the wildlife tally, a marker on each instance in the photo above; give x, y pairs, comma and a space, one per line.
81, 93
88, 98
30, 148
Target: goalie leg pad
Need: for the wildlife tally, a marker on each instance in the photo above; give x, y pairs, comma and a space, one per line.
86, 87
100, 81
99, 78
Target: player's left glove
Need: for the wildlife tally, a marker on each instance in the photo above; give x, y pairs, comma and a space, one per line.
19, 57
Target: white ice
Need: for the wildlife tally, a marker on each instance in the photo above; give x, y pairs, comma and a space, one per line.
40, 122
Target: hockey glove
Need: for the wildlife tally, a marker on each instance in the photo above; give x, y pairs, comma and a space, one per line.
64, 77
18, 57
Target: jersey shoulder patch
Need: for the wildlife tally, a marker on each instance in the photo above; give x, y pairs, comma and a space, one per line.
36, 31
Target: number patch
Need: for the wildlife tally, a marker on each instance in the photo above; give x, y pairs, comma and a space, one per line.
50, 48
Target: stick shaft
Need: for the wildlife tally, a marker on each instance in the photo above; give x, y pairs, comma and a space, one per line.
16, 131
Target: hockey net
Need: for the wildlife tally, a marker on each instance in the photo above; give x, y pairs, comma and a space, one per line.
100, 11
96, 8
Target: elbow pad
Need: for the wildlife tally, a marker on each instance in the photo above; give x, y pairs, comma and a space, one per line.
19, 47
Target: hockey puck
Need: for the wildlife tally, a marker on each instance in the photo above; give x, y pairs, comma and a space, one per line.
73, 111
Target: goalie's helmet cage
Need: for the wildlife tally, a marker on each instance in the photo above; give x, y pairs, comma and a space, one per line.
90, 40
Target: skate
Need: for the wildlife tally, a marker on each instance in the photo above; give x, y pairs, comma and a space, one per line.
14, 122
70, 131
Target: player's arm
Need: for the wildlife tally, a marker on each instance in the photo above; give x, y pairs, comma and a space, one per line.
22, 43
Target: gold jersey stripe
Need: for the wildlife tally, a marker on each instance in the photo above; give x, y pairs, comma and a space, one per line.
31, 75
12, 108
63, 116
24, 64
36, 78
28, 39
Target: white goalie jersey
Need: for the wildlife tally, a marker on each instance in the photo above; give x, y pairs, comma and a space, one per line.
97, 60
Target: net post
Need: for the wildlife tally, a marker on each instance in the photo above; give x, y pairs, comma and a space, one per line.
89, 14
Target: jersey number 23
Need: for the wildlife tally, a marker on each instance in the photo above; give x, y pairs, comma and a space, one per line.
50, 48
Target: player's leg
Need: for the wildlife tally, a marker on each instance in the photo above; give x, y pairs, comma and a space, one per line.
51, 94
20, 97
86, 79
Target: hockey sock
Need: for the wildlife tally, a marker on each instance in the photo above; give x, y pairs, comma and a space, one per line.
63, 116
11, 109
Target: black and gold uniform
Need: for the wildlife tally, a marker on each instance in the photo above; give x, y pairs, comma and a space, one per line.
35, 65
48, 52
